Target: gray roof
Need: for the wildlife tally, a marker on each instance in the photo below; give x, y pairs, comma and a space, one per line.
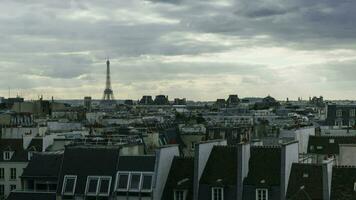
137, 163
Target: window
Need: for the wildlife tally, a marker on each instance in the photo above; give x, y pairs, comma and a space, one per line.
2, 191
98, 185
123, 180
147, 182
69, 185
351, 123
135, 182
92, 186
104, 187
217, 193
352, 113
13, 174
2, 173
7, 155
319, 147
179, 195
338, 123
261, 194
305, 175
331, 141
12, 187
355, 186
339, 113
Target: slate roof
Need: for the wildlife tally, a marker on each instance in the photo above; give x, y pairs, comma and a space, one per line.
264, 166
305, 182
15, 145
181, 176
88, 161
137, 163
43, 165
31, 196
342, 185
328, 144
221, 168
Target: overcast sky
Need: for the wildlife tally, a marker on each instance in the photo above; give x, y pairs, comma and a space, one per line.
198, 49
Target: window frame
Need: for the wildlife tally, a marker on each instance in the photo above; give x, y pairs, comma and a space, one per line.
142, 181
118, 181
128, 186
7, 155
139, 184
264, 192
221, 189
352, 112
65, 183
98, 186
13, 174
13, 187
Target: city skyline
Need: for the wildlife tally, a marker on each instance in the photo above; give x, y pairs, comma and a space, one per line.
200, 50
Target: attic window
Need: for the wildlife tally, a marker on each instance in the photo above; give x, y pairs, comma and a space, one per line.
332, 141
7, 155
69, 184
319, 147
305, 175
134, 182
98, 186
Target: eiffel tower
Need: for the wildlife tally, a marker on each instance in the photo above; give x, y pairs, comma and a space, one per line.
108, 97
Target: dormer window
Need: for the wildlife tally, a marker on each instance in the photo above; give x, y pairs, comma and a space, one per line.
8, 155
69, 184
134, 181
98, 186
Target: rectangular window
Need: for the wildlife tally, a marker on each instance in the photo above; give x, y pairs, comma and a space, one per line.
179, 195
217, 193
354, 186
261, 194
69, 184
147, 182
135, 182
13, 174
2, 173
92, 186
7, 155
97, 185
2, 191
104, 187
352, 113
12, 187
123, 180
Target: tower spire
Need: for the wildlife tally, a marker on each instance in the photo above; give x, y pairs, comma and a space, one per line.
108, 92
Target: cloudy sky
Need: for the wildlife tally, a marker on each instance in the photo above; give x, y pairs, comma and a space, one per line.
198, 49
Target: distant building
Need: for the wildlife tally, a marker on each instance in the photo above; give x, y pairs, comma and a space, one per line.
233, 100
178, 101
87, 103
341, 115
161, 100
146, 100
